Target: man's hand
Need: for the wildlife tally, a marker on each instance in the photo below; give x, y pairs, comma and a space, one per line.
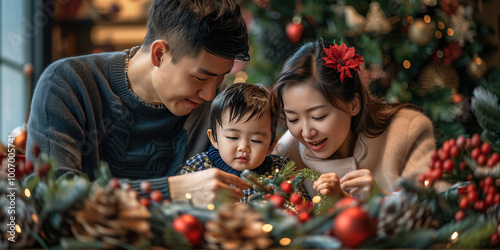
205, 185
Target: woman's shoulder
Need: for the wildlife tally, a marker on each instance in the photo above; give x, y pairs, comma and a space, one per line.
412, 116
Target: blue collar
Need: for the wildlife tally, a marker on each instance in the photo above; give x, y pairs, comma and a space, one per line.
214, 156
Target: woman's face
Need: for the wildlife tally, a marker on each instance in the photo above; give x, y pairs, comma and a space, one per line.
316, 123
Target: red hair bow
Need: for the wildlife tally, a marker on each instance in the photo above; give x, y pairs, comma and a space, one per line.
342, 58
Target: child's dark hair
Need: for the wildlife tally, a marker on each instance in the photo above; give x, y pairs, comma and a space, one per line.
242, 99
306, 66
191, 25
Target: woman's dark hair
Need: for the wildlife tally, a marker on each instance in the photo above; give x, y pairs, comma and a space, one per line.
242, 99
306, 66
191, 25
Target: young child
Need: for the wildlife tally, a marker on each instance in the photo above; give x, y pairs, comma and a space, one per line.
242, 132
358, 142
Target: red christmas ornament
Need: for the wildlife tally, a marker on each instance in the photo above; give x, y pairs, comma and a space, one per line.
294, 32
156, 196
296, 198
277, 199
353, 226
191, 227
286, 187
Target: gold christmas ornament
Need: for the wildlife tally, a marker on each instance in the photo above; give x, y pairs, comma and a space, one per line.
437, 74
477, 67
421, 32
376, 20
112, 216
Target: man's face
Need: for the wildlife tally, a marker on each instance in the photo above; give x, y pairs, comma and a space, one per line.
191, 81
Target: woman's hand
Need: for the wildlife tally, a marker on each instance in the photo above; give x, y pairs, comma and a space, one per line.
205, 185
360, 183
329, 185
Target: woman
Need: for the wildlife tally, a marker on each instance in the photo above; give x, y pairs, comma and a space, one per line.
356, 141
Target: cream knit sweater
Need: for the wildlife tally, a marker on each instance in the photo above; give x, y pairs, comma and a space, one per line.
403, 150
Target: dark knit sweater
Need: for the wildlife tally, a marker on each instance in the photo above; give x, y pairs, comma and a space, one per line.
83, 113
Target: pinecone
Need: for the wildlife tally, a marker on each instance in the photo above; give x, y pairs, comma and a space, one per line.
236, 226
26, 218
112, 216
402, 211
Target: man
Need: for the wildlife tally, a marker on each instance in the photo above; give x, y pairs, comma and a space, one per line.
144, 111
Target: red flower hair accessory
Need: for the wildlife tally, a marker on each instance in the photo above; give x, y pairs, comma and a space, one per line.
342, 58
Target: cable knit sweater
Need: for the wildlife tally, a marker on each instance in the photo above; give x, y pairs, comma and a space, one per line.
403, 150
83, 113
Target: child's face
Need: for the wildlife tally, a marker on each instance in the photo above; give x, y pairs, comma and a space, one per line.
185, 85
316, 123
243, 145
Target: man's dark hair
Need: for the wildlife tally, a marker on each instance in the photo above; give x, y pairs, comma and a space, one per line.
191, 25
242, 99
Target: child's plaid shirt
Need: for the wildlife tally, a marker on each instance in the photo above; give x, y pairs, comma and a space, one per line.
205, 160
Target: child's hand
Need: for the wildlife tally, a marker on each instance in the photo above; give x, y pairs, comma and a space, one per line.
329, 185
360, 182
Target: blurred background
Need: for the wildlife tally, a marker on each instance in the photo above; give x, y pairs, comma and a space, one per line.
433, 53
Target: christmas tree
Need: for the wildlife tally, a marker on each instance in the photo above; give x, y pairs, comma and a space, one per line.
432, 53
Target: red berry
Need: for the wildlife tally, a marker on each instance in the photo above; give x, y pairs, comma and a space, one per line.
475, 153
452, 142
446, 146
460, 141
156, 196
489, 199
43, 170
437, 174
493, 160
495, 239
468, 143
443, 155
463, 203
488, 181
28, 167
434, 155
437, 165
476, 140
479, 205
454, 151
114, 183
459, 215
471, 188
448, 165
421, 178
145, 186
472, 196
267, 196
463, 166
304, 216
296, 198
485, 148
481, 160
496, 198
145, 202
277, 199
286, 187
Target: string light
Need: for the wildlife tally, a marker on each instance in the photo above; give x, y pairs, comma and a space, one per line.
267, 228
454, 235
479, 61
27, 192
406, 64
210, 207
240, 76
439, 34
188, 196
440, 53
427, 18
410, 19
316, 199
450, 32
34, 217
285, 241
18, 228
440, 25
426, 183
